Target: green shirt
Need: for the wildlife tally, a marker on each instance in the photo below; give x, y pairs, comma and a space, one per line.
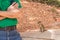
4, 4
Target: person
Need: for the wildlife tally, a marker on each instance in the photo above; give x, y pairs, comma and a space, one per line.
9, 12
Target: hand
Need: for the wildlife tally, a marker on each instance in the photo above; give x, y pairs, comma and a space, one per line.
13, 7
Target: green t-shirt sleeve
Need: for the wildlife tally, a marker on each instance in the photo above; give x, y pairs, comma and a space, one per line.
19, 3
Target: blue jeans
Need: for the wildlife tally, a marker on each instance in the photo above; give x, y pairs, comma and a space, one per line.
9, 35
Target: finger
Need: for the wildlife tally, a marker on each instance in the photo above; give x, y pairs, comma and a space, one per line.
13, 3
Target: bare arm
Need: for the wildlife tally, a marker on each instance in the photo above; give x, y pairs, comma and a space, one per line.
9, 14
12, 12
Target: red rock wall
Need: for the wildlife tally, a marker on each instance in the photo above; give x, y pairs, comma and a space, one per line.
32, 13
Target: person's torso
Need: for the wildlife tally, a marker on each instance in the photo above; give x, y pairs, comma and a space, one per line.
4, 4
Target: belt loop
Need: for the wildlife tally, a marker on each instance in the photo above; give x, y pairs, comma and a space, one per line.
14, 27
5, 29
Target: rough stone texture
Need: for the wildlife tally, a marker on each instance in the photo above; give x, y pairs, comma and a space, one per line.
31, 14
